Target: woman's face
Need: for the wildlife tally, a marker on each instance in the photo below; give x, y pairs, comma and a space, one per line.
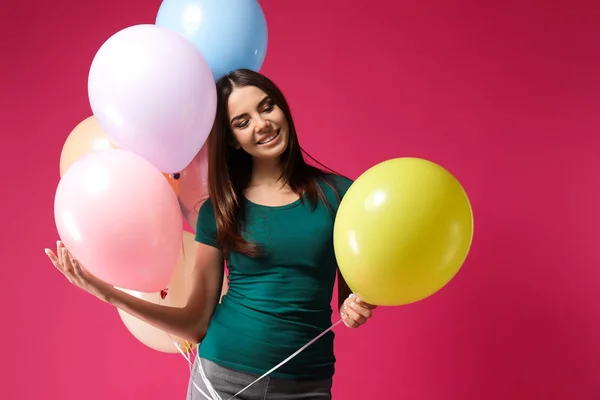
258, 125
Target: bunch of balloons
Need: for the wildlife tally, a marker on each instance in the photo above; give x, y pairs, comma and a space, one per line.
135, 169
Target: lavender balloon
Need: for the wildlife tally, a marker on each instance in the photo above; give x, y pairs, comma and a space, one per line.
154, 94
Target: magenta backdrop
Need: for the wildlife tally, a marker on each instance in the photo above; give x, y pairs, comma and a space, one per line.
505, 95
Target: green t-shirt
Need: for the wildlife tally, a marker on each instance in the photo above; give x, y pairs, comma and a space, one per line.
277, 303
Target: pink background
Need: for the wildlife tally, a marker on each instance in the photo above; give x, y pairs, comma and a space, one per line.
505, 95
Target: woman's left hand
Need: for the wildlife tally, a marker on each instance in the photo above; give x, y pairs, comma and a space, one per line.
355, 312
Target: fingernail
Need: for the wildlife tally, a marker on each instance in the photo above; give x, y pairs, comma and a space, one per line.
357, 300
58, 242
352, 304
351, 295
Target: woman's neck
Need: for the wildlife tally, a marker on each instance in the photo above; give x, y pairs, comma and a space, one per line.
266, 172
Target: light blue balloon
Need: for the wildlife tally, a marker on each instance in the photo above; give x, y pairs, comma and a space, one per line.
230, 34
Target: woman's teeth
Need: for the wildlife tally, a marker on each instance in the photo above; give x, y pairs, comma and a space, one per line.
270, 138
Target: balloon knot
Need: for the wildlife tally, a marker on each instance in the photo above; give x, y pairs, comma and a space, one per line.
186, 346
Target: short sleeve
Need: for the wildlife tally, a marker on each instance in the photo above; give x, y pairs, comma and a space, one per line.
206, 226
343, 184
340, 184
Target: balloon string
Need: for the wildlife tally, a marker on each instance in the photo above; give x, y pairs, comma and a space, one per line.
189, 351
287, 359
207, 383
188, 357
213, 394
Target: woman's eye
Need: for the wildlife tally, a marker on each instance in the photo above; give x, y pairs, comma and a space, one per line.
269, 107
242, 124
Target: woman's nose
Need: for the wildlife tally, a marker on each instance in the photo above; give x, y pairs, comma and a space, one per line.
262, 124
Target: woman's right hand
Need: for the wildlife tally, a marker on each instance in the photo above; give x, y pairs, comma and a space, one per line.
189, 322
76, 273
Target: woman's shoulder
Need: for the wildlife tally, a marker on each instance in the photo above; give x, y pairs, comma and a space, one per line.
340, 183
206, 210
334, 186
206, 225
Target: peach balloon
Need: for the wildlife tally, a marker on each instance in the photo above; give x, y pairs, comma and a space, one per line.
175, 295
86, 137
173, 182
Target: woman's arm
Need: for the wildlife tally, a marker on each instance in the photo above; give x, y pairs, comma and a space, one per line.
189, 322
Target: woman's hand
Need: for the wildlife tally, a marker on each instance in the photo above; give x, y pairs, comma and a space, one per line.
75, 273
354, 312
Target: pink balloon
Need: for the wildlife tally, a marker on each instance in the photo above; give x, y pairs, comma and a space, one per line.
193, 187
154, 94
120, 218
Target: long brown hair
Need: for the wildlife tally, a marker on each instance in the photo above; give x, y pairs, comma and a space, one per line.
230, 169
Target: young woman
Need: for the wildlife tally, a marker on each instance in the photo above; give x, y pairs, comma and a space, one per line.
270, 216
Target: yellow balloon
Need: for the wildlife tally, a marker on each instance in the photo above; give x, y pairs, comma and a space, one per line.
402, 231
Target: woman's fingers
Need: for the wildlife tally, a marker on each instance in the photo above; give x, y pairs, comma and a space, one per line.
361, 308
66, 264
66, 261
60, 251
51, 256
54, 258
62, 260
77, 270
59, 247
352, 318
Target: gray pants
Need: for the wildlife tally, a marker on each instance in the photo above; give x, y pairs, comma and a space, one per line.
227, 382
